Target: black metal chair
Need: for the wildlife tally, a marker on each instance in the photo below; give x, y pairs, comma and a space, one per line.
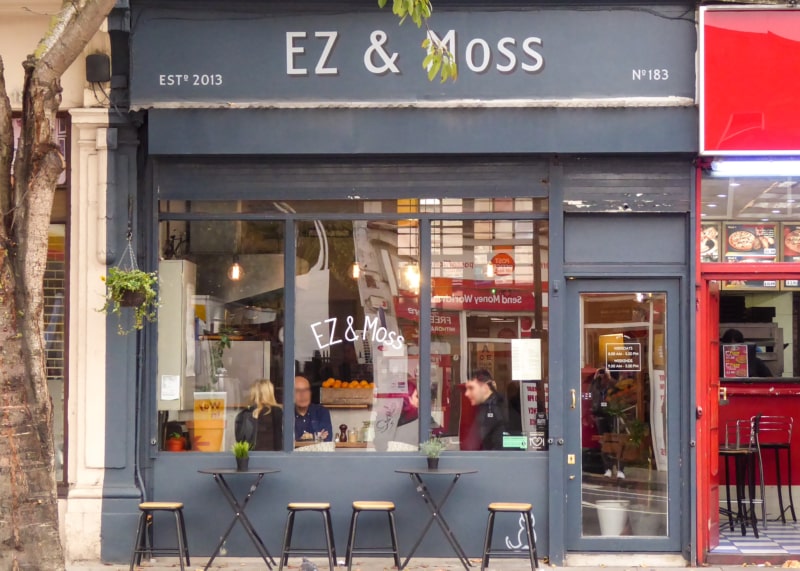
740, 445
775, 433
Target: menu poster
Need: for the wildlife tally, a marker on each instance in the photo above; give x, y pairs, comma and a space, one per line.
750, 284
734, 361
790, 240
751, 242
709, 241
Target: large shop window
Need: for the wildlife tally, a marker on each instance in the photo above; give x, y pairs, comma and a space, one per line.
364, 380
749, 217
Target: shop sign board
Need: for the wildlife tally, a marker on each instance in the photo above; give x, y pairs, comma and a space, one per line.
253, 54
749, 80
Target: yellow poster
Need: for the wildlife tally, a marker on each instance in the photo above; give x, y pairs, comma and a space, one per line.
207, 429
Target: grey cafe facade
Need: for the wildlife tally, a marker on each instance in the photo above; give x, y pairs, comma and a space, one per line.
315, 206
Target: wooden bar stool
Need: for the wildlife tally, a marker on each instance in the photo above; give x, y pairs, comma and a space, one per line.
323, 508
144, 533
371, 506
509, 507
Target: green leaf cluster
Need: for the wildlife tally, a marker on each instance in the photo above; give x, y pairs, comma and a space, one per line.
433, 447
241, 449
120, 282
438, 59
417, 10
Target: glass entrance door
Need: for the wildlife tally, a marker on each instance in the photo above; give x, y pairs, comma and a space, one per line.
622, 370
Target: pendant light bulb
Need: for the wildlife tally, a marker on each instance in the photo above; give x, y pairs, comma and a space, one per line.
236, 271
355, 271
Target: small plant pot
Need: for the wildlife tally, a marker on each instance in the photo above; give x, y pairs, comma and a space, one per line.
131, 298
242, 464
433, 463
175, 444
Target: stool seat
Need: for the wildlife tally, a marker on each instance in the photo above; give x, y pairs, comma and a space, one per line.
324, 509
169, 506
144, 533
312, 506
360, 506
376, 506
509, 507
525, 510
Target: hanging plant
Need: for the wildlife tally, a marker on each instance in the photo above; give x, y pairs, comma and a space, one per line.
131, 288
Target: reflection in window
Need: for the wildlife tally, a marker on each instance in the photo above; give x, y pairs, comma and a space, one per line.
624, 413
359, 372
349, 347
218, 337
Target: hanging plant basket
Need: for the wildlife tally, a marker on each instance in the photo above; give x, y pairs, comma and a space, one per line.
132, 298
131, 288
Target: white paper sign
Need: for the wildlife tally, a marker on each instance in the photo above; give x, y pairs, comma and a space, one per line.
170, 387
526, 359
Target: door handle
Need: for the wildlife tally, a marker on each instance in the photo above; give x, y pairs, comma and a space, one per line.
573, 398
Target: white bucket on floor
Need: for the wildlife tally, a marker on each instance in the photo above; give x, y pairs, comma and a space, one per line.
613, 514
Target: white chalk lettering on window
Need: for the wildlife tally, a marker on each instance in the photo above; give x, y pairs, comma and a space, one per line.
330, 332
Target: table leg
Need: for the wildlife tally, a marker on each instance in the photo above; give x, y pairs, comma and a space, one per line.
436, 514
239, 512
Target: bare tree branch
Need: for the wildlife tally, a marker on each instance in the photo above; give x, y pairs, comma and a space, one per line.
68, 41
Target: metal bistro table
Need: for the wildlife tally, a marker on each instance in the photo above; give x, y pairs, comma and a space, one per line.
238, 508
435, 507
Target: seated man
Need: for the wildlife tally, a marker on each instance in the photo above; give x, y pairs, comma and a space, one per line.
309, 418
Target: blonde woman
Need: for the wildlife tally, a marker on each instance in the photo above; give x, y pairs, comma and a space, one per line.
266, 433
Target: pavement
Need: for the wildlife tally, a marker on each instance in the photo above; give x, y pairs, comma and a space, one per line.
609, 562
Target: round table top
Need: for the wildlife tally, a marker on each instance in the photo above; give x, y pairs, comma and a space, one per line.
234, 471
437, 471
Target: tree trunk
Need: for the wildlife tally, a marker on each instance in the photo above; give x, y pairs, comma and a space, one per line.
29, 537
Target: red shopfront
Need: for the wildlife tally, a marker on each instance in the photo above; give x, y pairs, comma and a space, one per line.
747, 246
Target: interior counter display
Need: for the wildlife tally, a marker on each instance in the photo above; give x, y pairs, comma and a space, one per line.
769, 397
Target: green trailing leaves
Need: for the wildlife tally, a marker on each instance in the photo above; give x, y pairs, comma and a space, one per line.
439, 60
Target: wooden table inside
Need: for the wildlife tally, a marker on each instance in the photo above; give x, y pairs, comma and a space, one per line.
302, 443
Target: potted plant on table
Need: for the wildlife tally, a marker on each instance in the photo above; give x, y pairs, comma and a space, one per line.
131, 288
432, 448
241, 451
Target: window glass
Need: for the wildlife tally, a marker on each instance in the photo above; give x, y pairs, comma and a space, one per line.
401, 206
623, 420
220, 325
356, 386
754, 219
489, 313
360, 374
